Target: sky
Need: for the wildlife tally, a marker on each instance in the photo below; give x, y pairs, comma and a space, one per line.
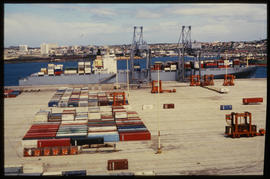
113, 24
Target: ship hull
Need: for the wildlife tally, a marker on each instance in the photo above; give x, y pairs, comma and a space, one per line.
121, 77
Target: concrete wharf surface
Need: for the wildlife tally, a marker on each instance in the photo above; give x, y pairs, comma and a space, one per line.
192, 134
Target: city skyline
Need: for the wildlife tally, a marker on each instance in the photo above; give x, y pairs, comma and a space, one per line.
112, 24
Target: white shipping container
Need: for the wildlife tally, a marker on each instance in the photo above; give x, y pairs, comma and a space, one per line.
81, 118
105, 108
103, 128
127, 107
41, 117
167, 69
67, 117
120, 115
102, 133
29, 143
52, 173
82, 122
106, 113
93, 109
81, 63
87, 70
41, 73
95, 115
70, 72
132, 115
72, 134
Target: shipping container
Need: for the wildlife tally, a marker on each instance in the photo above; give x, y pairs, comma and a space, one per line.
74, 173
9, 169
108, 136
139, 135
225, 107
53, 142
256, 100
119, 164
87, 141
168, 106
52, 173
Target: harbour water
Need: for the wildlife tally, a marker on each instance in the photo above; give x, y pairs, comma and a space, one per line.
14, 71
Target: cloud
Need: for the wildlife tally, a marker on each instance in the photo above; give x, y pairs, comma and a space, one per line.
41, 29
220, 10
145, 13
113, 23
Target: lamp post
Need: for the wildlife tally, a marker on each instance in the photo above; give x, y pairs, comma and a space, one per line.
158, 149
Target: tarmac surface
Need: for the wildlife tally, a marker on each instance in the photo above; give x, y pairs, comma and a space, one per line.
191, 135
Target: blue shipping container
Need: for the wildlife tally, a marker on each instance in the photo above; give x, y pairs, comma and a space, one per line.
53, 103
225, 107
74, 173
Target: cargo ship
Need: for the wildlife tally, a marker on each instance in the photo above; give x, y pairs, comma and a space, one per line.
104, 70
206, 67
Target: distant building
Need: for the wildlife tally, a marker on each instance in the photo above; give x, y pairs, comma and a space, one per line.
23, 48
45, 48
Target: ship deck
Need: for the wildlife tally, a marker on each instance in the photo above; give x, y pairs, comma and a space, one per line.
192, 135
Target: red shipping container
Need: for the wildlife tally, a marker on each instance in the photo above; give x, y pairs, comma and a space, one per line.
119, 164
106, 116
168, 106
53, 142
57, 72
252, 100
117, 107
12, 95
46, 151
140, 135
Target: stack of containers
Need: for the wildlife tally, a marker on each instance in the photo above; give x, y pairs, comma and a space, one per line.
83, 98
81, 68
42, 131
102, 99
130, 126
92, 99
64, 99
72, 131
51, 69
81, 117
102, 127
87, 67
54, 101
74, 98
68, 116
58, 70
41, 117
9, 93
110, 98
55, 117
70, 70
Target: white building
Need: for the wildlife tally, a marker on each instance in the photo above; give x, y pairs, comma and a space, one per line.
23, 48
45, 48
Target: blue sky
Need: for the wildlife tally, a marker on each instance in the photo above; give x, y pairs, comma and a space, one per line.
109, 24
